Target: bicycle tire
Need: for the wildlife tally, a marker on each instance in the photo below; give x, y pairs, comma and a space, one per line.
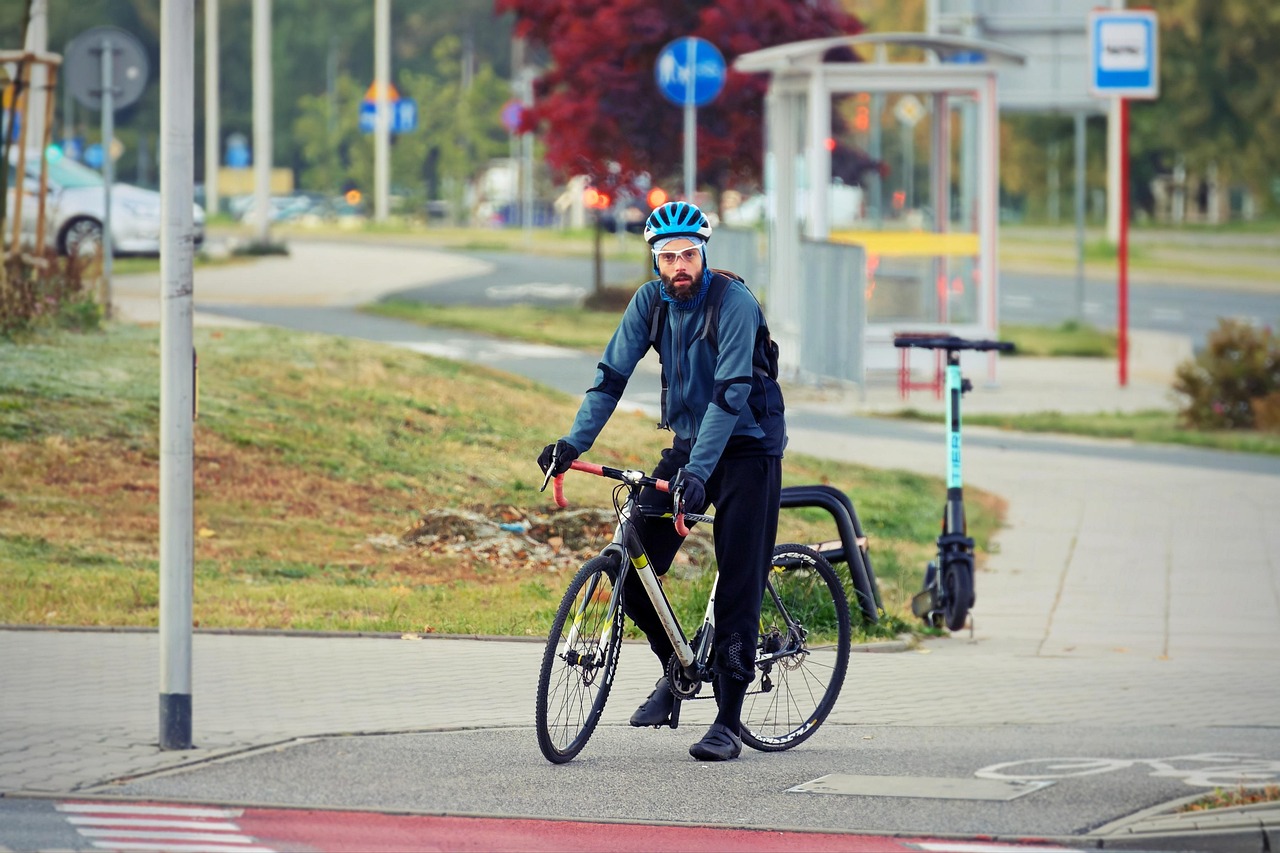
571, 694
957, 580
793, 694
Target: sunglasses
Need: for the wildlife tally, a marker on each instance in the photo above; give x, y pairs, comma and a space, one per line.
688, 256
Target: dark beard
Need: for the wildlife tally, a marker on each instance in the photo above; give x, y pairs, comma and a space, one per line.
690, 284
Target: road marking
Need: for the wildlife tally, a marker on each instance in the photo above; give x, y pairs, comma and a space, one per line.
1169, 314
1019, 301
985, 847
118, 808
154, 824
540, 290
123, 827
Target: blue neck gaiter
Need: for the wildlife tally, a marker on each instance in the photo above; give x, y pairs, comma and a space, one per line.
696, 301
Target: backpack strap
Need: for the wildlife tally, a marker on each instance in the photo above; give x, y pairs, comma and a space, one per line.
720, 282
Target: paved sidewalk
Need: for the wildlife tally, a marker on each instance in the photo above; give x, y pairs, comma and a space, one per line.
1134, 586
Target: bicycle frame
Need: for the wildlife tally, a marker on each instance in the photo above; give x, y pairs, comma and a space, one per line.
632, 557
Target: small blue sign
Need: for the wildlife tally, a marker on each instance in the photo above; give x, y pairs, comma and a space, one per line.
690, 71
237, 154
404, 115
1124, 54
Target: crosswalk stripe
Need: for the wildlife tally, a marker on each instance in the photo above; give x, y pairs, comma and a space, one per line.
141, 822
168, 811
124, 835
182, 848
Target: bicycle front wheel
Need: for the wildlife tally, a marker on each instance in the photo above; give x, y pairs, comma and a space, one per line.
803, 651
580, 660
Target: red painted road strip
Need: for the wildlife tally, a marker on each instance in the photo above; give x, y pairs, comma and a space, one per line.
175, 826
356, 832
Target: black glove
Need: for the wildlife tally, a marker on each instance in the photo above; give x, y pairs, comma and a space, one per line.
691, 491
557, 457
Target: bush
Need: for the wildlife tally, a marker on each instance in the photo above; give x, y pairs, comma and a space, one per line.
45, 291
1229, 381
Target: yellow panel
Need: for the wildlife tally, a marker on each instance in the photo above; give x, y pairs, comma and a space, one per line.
911, 243
241, 181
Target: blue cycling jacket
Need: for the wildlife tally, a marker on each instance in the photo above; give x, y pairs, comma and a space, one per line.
713, 392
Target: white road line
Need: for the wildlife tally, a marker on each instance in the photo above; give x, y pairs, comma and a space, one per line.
987, 847
183, 848
168, 811
1019, 301
124, 837
1175, 314
142, 823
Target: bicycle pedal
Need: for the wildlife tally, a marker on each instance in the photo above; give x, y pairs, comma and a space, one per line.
674, 720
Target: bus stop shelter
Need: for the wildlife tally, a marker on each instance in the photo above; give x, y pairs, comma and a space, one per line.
930, 253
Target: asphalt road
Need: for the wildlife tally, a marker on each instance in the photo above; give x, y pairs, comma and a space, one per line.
1025, 298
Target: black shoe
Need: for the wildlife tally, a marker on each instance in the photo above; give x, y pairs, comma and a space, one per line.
718, 744
656, 710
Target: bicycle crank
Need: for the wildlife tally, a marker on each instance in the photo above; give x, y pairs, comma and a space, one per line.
684, 685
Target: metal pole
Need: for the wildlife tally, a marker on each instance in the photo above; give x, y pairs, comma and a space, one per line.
690, 121
262, 119
526, 158
212, 118
382, 98
177, 368
108, 165
1122, 250
1080, 203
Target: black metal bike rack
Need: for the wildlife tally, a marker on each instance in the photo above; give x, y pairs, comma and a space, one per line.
851, 548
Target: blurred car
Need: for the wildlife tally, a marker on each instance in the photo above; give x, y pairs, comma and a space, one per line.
75, 207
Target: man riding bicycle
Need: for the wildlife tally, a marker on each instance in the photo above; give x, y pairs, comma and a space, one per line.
722, 401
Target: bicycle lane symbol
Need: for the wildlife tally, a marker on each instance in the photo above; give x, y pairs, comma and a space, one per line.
1202, 770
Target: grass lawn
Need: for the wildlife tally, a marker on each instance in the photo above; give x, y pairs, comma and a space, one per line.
344, 485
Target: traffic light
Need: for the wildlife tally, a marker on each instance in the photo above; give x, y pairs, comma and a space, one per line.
862, 118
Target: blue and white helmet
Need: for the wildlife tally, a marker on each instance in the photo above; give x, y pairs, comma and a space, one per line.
676, 219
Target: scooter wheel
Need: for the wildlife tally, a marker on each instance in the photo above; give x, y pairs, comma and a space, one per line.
958, 586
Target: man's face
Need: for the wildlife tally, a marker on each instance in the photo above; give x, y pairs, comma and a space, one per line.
680, 267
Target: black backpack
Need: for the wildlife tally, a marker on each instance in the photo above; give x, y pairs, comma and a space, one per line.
764, 358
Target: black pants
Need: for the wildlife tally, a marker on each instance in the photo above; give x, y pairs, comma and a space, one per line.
745, 491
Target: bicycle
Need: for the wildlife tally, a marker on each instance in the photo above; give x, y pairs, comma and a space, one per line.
948, 592
802, 651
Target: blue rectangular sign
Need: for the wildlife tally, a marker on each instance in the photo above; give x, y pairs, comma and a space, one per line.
1124, 54
404, 115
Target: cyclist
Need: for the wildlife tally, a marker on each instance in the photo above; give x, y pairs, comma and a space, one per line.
723, 404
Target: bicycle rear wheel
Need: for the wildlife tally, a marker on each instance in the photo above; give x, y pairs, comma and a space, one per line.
580, 660
803, 651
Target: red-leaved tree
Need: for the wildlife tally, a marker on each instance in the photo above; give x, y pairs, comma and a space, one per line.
599, 102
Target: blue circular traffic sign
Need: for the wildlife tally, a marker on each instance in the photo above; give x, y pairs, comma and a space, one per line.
690, 71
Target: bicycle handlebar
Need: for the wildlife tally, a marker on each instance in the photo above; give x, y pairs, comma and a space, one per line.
951, 343
632, 477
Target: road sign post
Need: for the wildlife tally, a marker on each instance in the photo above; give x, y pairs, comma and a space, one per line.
1125, 61
690, 73
106, 70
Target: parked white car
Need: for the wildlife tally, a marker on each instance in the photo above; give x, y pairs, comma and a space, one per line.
74, 208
